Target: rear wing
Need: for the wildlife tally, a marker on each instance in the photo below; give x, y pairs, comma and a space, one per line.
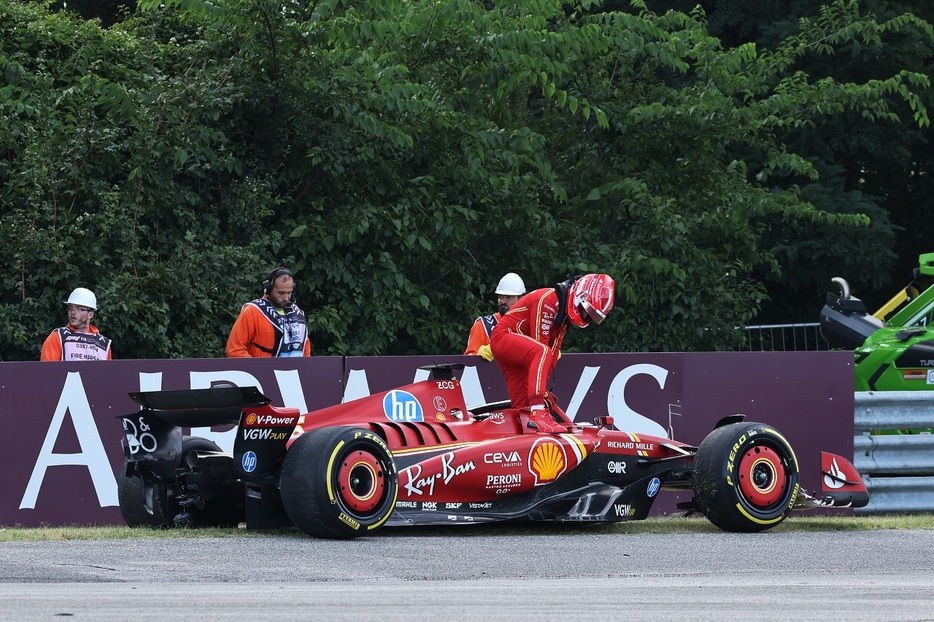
153, 442
197, 408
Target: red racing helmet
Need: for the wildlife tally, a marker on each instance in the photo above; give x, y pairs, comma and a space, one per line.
590, 299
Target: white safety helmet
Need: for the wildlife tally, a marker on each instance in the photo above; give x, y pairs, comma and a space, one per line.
83, 297
510, 285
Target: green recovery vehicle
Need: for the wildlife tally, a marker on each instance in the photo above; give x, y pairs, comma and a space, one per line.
893, 347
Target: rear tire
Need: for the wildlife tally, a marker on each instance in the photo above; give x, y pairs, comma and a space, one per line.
224, 502
131, 496
219, 510
339, 482
745, 477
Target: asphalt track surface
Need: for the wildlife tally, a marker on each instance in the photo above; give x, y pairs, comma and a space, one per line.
473, 573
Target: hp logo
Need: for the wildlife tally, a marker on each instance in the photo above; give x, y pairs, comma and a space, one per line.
402, 406
249, 462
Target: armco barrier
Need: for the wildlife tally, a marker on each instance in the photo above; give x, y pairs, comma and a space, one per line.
898, 469
60, 438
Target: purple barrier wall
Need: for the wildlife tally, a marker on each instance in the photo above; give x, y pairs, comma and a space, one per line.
61, 437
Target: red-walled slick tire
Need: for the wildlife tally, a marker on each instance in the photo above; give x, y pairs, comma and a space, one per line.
745, 477
339, 482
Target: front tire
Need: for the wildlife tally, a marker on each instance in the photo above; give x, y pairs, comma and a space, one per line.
745, 477
339, 482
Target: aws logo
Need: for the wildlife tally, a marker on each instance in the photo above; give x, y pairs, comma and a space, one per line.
547, 461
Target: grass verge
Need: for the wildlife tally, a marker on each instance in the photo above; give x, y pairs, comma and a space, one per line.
655, 525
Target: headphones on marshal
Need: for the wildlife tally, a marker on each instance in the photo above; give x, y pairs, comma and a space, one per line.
275, 274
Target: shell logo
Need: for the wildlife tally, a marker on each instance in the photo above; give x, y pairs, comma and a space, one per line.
250, 419
547, 461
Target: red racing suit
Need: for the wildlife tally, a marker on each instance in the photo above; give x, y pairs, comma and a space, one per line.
526, 343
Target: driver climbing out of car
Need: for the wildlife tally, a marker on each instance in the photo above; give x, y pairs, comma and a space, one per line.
527, 340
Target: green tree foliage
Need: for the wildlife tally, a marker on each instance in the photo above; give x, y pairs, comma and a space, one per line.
401, 156
107, 12
866, 164
117, 175
877, 168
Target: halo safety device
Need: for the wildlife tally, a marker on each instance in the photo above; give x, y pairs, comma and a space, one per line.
510, 285
82, 297
590, 299
275, 274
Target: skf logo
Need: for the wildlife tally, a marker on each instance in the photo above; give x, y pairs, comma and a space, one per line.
547, 461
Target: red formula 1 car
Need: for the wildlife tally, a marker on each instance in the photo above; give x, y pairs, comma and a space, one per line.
416, 456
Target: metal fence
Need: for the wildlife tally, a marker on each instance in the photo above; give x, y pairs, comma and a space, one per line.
893, 450
785, 338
